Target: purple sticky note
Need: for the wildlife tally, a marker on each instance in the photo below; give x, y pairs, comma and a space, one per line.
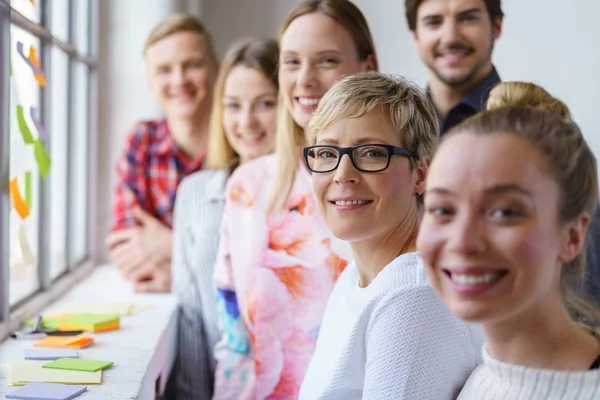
47, 391
50, 354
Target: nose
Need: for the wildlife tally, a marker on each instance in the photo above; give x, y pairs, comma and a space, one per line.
307, 75
346, 172
450, 32
177, 76
247, 118
467, 235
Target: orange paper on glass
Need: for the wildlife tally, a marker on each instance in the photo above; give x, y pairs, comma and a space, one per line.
37, 70
72, 342
19, 204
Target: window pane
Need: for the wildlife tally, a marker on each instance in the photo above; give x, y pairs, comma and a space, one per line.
58, 148
79, 169
24, 215
30, 9
59, 19
82, 26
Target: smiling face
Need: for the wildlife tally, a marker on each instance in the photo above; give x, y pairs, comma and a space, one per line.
249, 112
455, 39
315, 52
360, 206
181, 74
490, 236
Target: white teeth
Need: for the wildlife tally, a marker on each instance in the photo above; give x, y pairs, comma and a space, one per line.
475, 279
308, 101
350, 202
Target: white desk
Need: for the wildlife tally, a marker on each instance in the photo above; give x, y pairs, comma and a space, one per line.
143, 350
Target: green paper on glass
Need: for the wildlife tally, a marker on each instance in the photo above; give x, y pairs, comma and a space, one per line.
42, 157
23, 127
28, 189
78, 364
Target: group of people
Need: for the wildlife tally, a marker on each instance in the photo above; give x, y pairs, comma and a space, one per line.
443, 258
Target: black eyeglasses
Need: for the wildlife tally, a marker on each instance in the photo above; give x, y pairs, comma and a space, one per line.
365, 158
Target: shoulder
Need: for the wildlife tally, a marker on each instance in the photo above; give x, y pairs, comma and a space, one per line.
203, 184
148, 132
256, 170
251, 182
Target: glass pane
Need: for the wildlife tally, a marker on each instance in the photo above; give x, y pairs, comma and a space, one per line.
24, 176
59, 78
82, 26
59, 19
79, 169
30, 9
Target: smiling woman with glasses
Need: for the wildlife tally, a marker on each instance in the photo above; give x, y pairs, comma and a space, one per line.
385, 334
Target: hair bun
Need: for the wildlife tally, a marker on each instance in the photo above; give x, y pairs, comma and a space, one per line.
528, 95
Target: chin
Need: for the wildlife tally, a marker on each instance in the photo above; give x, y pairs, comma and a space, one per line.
301, 118
473, 312
349, 233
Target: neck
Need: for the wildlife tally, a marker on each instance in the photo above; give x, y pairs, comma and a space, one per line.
543, 336
191, 135
446, 97
372, 255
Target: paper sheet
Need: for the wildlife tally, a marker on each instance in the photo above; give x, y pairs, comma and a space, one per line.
121, 309
19, 373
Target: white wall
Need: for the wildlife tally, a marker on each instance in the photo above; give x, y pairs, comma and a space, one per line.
560, 51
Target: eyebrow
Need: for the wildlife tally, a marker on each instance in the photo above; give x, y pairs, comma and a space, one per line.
320, 53
493, 190
260, 96
363, 140
464, 13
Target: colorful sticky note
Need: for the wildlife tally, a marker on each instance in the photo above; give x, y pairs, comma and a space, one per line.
78, 364
115, 308
28, 189
42, 158
35, 117
52, 354
90, 322
23, 127
74, 342
19, 204
46, 391
20, 373
26, 249
34, 63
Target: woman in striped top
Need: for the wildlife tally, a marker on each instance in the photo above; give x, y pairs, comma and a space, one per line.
242, 127
503, 238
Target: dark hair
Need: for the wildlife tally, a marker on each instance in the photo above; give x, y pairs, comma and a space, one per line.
494, 9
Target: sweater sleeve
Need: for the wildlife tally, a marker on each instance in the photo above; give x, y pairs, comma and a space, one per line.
416, 349
193, 260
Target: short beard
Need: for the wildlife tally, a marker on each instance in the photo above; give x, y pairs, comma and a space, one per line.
467, 80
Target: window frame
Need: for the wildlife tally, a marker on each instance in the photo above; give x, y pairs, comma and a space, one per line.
50, 289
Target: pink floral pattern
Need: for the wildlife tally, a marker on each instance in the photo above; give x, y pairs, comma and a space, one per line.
280, 269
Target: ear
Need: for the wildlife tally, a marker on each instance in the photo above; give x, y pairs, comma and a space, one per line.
370, 63
574, 238
415, 39
497, 27
420, 174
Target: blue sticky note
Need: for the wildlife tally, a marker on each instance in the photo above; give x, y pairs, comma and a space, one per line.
46, 391
50, 354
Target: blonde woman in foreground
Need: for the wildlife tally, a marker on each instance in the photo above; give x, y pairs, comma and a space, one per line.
385, 333
503, 238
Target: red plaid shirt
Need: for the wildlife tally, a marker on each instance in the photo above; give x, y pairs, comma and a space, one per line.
149, 173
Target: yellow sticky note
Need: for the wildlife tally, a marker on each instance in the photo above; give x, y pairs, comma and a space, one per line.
26, 249
20, 373
121, 309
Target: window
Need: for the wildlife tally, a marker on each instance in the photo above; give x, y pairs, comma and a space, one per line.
46, 97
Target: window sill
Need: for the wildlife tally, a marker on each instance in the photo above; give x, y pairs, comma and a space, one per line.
143, 350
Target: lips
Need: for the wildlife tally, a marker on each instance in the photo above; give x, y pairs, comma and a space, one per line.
471, 281
308, 104
350, 202
454, 55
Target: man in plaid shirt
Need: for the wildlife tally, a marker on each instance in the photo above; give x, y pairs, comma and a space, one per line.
181, 68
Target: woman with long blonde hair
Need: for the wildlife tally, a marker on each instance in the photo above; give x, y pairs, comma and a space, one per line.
278, 260
242, 127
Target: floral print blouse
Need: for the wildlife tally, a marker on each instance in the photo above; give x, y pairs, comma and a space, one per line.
273, 274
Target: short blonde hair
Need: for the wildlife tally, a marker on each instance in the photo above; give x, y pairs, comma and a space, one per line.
180, 22
258, 54
410, 111
290, 136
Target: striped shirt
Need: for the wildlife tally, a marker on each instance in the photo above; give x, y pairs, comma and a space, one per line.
197, 218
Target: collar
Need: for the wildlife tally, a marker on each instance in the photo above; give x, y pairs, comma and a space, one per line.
477, 98
164, 145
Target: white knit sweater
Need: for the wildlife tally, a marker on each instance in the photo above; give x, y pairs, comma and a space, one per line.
392, 340
495, 380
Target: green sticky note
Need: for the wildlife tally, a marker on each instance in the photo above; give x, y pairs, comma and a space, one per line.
42, 158
23, 127
28, 189
78, 364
